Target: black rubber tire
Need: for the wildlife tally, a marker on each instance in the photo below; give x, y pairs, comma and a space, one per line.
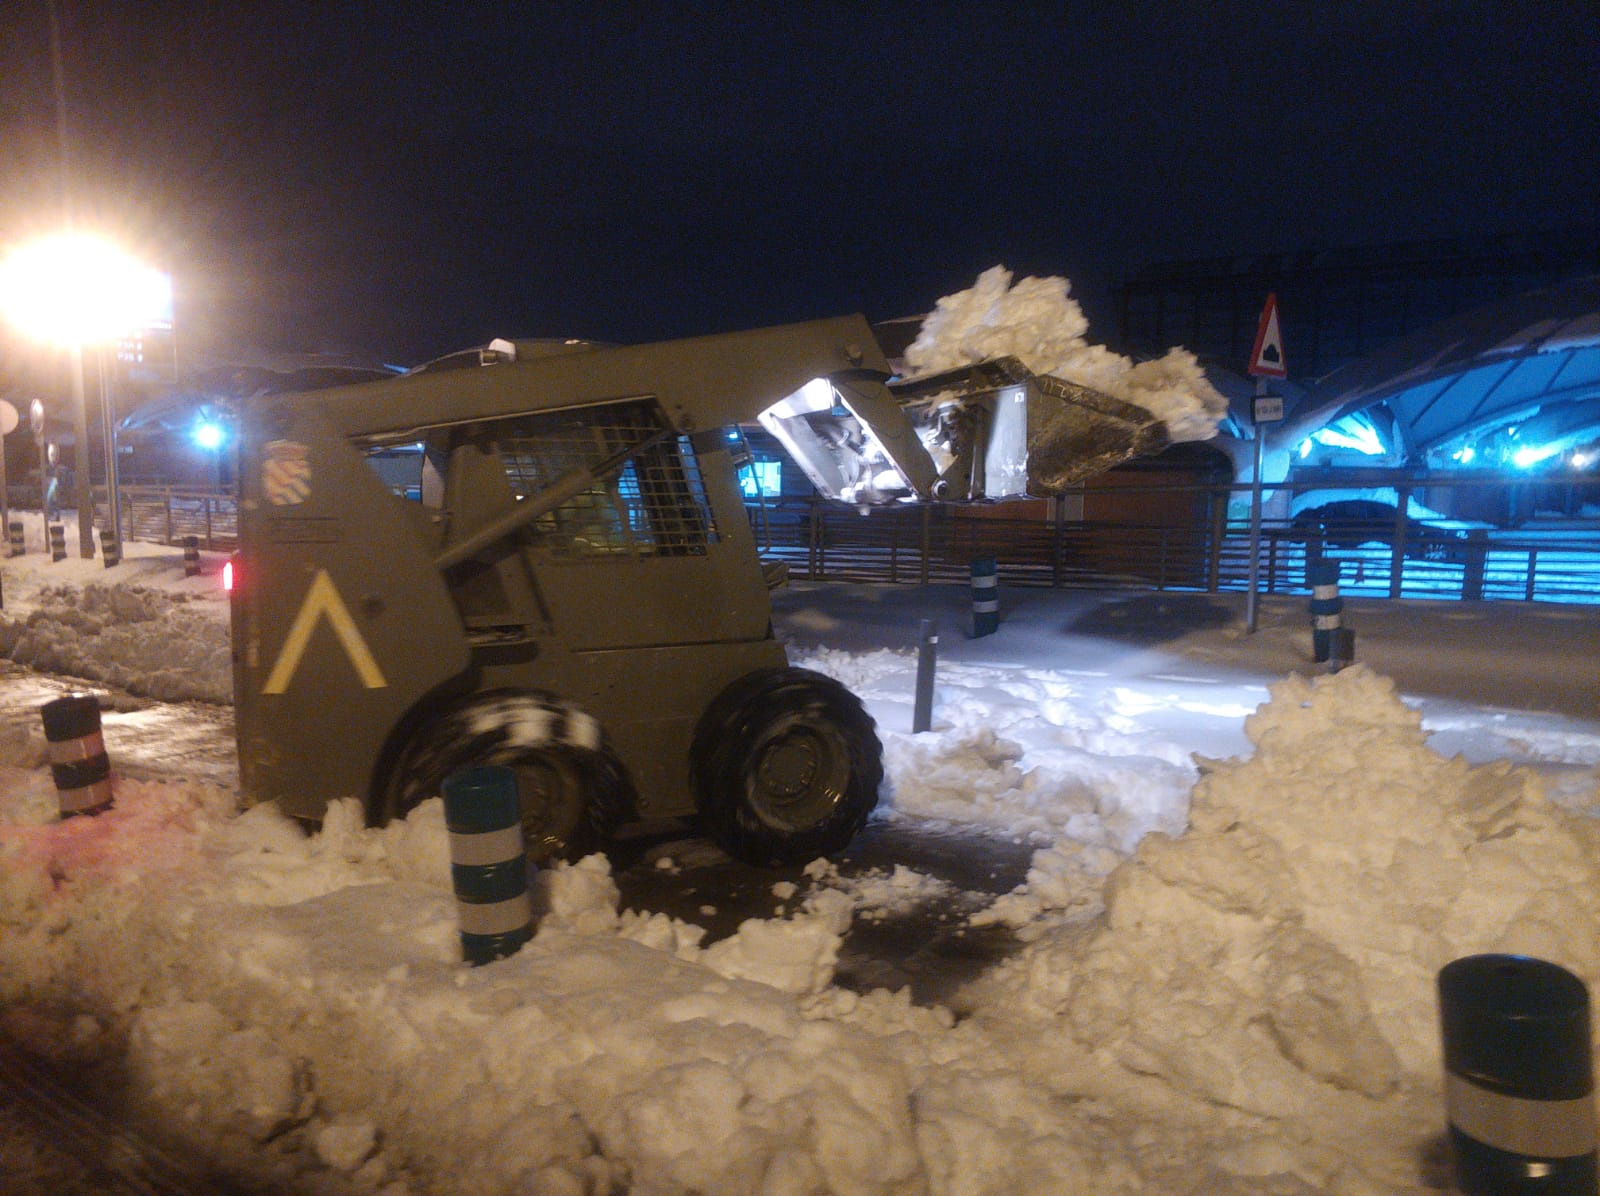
572, 789
786, 766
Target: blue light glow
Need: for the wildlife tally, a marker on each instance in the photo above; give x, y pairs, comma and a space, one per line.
761, 478
1351, 432
1531, 455
209, 435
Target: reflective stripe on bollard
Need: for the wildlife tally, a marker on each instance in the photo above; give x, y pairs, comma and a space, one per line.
78, 761
1326, 608
985, 597
488, 862
1519, 1077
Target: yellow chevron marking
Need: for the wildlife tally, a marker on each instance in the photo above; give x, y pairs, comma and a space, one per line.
323, 599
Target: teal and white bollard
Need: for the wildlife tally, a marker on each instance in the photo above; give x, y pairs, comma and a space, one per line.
1519, 1077
985, 597
488, 862
1326, 608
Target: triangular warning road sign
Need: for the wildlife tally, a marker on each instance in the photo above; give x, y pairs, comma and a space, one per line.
1266, 359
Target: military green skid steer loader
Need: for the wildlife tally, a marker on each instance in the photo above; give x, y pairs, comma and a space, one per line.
536, 554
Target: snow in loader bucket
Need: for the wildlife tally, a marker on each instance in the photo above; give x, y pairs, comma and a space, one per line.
993, 430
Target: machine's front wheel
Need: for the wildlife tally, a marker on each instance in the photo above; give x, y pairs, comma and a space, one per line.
786, 766
571, 789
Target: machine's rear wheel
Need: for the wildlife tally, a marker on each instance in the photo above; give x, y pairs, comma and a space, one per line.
571, 789
786, 766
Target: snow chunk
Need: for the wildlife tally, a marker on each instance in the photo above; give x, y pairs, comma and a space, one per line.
1038, 322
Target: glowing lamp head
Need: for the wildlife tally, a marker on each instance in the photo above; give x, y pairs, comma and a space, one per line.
208, 434
76, 289
227, 577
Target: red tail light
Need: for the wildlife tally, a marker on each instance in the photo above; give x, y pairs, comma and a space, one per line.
227, 577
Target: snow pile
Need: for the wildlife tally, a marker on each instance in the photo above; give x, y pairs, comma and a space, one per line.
1286, 946
1234, 998
1252, 1012
1037, 321
146, 640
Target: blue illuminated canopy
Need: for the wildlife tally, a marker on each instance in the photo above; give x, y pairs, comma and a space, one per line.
1525, 370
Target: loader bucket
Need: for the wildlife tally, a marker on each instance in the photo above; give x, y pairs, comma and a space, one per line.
996, 430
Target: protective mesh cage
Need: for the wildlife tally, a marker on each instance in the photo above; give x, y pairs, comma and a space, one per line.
655, 505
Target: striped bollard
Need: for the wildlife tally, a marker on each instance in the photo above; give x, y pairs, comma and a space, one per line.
1519, 1077
58, 542
14, 536
110, 550
78, 760
985, 597
1326, 607
191, 556
488, 862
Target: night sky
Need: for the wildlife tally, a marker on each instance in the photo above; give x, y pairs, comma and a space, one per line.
395, 181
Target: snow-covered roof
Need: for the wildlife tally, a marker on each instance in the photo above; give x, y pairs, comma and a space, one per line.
1535, 355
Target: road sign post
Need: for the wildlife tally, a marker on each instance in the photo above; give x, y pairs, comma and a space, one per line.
1266, 361
8, 424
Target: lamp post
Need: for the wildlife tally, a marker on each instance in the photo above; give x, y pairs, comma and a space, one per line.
80, 292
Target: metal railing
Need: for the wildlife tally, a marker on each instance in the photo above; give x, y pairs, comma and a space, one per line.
919, 544
171, 514
826, 541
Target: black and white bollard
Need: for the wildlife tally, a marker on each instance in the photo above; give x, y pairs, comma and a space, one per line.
110, 550
191, 556
78, 760
1519, 1077
58, 542
927, 661
488, 862
1326, 607
985, 597
14, 538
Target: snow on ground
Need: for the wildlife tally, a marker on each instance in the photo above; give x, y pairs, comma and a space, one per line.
1248, 873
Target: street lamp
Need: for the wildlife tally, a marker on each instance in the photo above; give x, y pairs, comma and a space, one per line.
78, 291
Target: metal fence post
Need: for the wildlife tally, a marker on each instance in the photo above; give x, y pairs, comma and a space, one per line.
1219, 529
927, 540
894, 547
813, 544
1397, 557
1477, 562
